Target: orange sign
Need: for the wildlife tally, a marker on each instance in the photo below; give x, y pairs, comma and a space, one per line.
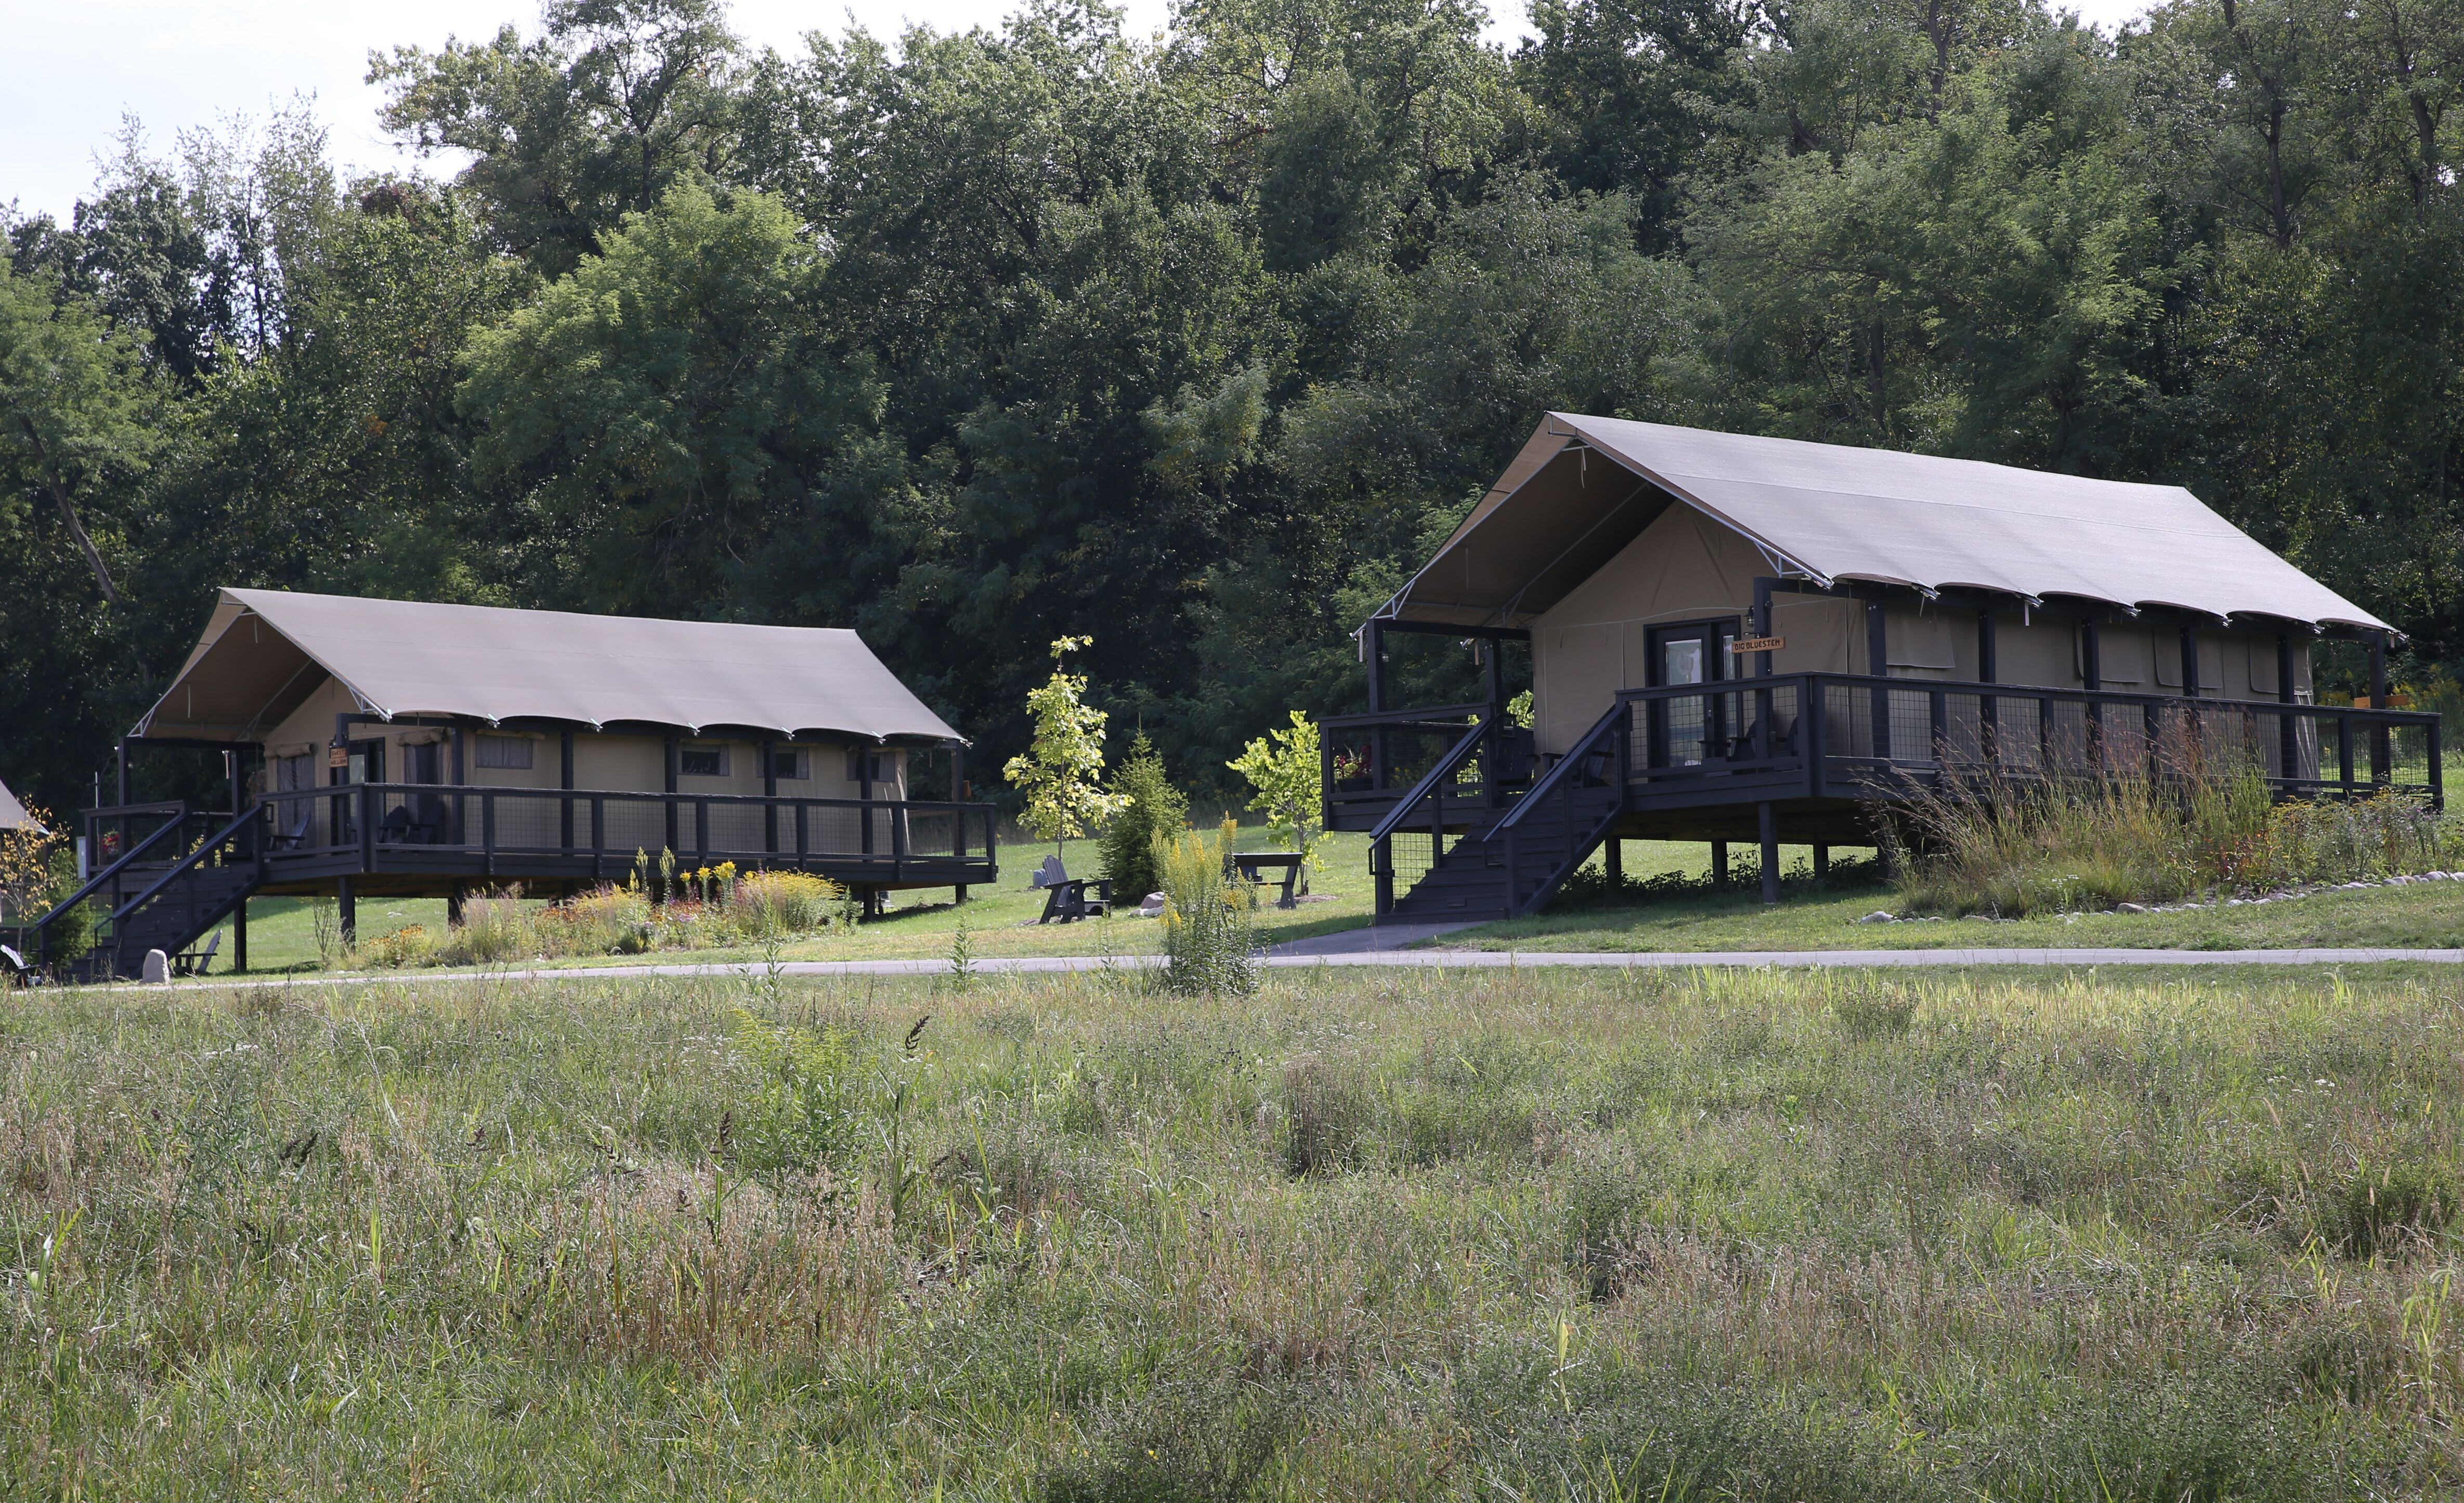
338, 756
1759, 643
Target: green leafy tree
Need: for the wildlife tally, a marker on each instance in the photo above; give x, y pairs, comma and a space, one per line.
1062, 770
1150, 808
1283, 769
671, 409
73, 409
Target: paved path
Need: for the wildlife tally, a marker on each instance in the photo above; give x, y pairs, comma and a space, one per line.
1439, 960
1365, 941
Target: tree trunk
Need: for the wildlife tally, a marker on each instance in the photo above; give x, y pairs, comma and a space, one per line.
68, 513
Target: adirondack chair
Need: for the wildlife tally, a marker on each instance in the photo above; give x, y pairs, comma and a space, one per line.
297, 835
1066, 897
193, 963
13, 962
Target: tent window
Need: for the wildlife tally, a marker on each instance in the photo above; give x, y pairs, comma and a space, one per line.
290, 773
790, 764
702, 760
857, 756
505, 751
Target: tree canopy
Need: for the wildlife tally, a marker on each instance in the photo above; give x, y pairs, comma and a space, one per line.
1193, 344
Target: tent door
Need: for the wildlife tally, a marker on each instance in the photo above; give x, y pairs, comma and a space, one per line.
1688, 731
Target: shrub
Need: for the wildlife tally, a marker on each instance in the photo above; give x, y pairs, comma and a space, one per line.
602, 922
767, 904
806, 1113
72, 937
1207, 938
410, 945
1151, 808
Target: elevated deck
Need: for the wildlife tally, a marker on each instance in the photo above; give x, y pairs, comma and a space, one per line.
169, 873
1473, 826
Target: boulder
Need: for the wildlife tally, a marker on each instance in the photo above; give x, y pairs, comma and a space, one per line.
1877, 916
2129, 908
157, 970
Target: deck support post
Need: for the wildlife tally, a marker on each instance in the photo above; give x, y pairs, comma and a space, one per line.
2381, 761
1766, 817
958, 795
1878, 663
1374, 646
346, 910
239, 936
1821, 861
453, 897
2092, 678
770, 790
674, 761
1719, 865
1988, 707
2189, 662
2289, 749
1613, 861
565, 817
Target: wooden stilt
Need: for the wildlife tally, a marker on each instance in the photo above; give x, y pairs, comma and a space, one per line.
1768, 817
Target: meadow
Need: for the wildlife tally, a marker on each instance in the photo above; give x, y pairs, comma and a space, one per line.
1710, 1235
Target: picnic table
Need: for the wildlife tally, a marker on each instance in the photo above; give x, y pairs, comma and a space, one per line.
1253, 865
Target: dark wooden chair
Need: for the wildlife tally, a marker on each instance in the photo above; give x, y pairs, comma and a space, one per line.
1068, 899
193, 963
395, 828
297, 835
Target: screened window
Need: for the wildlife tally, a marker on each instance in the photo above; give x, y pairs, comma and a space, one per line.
790, 763
859, 758
702, 760
290, 773
505, 751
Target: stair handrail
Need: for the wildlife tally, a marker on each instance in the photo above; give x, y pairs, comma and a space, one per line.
1509, 830
94, 883
1447, 766
187, 863
1566, 765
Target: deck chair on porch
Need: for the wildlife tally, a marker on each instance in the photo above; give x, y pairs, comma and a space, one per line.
297, 835
1783, 742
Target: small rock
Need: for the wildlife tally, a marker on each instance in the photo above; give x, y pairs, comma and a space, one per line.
1877, 916
158, 968
1153, 907
2129, 908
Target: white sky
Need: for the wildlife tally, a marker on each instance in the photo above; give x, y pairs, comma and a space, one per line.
72, 68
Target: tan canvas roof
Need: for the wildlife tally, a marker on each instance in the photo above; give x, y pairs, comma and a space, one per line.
13, 814
1584, 487
264, 651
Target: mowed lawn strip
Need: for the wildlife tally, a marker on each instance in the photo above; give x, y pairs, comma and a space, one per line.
1739, 1235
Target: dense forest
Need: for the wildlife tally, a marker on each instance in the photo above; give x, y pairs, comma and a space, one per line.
1193, 344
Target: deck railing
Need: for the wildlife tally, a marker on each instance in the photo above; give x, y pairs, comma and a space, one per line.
1751, 740
492, 828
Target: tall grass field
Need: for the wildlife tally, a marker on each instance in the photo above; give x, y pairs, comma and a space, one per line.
1718, 1235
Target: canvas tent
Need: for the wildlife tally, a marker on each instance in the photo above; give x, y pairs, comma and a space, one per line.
1585, 487
12, 813
263, 653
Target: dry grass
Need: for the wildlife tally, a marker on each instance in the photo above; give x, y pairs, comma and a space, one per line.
1726, 1235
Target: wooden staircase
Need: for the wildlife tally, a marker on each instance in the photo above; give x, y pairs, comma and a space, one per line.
1507, 862
176, 901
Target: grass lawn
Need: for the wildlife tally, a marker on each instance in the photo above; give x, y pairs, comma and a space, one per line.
1001, 919
1747, 1236
2424, 916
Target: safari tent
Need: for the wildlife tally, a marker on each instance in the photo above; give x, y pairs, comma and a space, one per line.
414, 748
1868, 617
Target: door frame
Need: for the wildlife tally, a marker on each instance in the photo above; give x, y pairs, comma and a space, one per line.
1714, 632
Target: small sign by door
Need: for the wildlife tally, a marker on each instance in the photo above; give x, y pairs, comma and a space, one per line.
1758, 644
338, 756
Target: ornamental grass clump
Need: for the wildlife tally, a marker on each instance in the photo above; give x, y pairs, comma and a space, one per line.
496, 927
1993, 841
1207, 936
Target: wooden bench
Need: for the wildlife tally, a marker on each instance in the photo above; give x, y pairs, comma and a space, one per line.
1252, 865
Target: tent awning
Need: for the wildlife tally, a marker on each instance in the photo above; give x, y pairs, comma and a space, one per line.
1585, 487
13, 816
264, 651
